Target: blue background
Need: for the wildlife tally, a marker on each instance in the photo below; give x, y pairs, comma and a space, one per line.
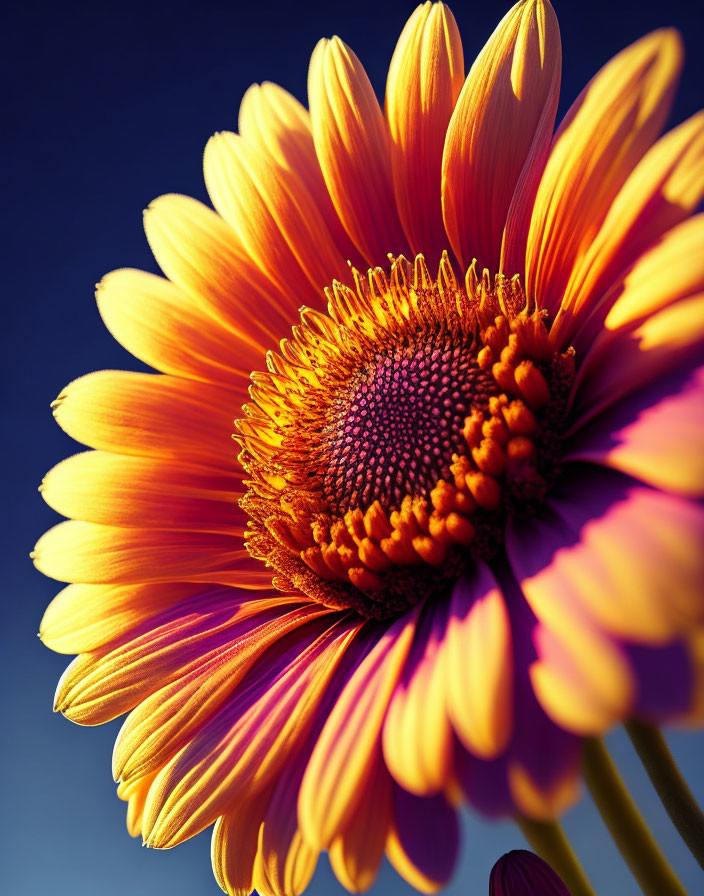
109, 106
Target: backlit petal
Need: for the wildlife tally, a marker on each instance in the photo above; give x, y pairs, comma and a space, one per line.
75, 551
499, 134
425, 77
115, 490
233, 848
656, 435
345, 753
83, 617
242, 748
158, 324
156, 416
604, 135
357, 851
162, 723
663, 190
105, 683
352, 143
203, 255
571, 558
275, 217
274, 122
417, 737
479, 665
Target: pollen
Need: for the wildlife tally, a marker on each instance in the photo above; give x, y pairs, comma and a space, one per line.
390, 440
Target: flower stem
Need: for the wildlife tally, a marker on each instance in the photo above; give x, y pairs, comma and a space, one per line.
621, 816
549, 841
670, 786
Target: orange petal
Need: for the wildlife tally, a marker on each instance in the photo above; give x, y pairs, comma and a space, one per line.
115, 490
479, 666
285, 862
570, 559
356, 853
655, 320
604, 135
158, 324
202, 254
274, 216
352, 143
424, 81
234, 845
417, 737
82, 618
100, 555
157, 416
656, 435
664, 189
136, 795
278, 126
498, 136
345, 752
163, 722
582, 680
101, 685
243, 747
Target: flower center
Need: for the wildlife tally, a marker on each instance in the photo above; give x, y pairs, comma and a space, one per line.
396, 426
391, 440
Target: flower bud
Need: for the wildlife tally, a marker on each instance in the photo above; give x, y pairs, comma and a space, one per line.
522, 873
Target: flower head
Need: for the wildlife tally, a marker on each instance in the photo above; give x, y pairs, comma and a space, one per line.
461, 531
522, 873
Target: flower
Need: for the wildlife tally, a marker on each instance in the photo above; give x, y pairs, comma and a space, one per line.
462, 533
522, 873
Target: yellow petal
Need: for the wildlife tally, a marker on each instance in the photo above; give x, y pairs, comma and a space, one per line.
145, 414
346, 749
417, 737
425, 77
655, 320
479, 666
285, 862
665, 188
534, 800
603, 136
136, 795
158, 324
423, 840
75, 551
101, 685
499, 134
234, 843
278, 126
244, 746
202, 254
274, 216
656, 435
82, 618
115, 490
356, 853
583, 682
162, 723
571, 566
352, 143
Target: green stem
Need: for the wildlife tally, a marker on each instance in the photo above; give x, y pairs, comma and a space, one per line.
549, 841
670, 786
621, 816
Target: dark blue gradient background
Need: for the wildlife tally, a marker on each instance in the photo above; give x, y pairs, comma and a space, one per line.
110, 104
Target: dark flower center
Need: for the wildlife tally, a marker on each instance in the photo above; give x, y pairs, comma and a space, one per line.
390, 442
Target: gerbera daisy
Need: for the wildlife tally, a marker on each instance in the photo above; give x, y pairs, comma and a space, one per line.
460, 531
